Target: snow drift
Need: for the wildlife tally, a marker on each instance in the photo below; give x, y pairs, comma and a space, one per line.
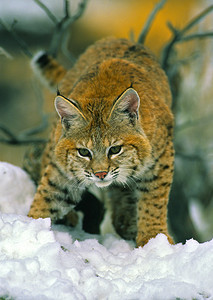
40, 262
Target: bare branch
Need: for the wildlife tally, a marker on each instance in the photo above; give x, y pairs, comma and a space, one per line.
172, 28
12, 139
149, 22
44, 117
8, 133
197, 19
62, 26
25, 136
178, 36
22, 142
64, 48
19, 41
81, 8
5, 53
48, 12
66, 7
35, 130
196, 36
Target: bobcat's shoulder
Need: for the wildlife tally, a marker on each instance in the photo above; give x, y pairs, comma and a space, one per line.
115, 133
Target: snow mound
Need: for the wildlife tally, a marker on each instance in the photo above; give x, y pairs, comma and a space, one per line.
41, 262
16, 189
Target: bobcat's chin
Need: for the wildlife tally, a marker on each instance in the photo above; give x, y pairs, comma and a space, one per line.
101, 184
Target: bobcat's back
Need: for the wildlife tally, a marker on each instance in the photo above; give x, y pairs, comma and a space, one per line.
122, 49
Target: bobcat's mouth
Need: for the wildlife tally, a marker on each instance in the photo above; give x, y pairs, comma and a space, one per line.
100, 179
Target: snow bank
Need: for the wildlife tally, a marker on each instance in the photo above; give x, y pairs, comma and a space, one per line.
40, 262
16, 189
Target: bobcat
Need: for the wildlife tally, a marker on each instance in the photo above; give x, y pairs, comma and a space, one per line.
114, 133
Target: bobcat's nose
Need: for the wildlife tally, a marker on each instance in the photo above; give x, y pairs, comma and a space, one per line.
101, 175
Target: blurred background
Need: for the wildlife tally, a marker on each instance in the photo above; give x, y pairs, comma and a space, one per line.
25, 104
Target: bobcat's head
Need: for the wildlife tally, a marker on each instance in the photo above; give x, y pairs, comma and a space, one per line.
102, 141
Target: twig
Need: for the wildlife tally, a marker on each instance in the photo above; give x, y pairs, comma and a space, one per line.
35, 130
7, 132
20, 142
149, 22
172, 28
62, 26
25, 136
64, 48
178, 36
19, 41
5, 53
66, 8
48, 12
44, 117
197, 19
196, 36
17, 140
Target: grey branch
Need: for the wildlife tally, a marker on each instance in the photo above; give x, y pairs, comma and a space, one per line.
48, 12
196, 36
62, 25
25, 137
179, 36
5, 53
19, 139
197, 19
59, 35
23, 46
149, 22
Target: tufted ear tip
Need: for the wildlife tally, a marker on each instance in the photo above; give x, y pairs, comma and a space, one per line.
62, 106
67, 109
132, 99
127, 103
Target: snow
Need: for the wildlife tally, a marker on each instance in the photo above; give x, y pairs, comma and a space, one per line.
40, 261
16, 189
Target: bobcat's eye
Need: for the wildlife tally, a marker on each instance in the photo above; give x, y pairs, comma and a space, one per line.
115, 150
84, 152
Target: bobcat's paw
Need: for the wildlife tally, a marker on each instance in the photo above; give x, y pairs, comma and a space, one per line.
142, 239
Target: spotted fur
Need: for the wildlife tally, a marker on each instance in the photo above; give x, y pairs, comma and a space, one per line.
114, 133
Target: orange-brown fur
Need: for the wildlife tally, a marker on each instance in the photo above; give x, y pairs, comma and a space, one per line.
107, 78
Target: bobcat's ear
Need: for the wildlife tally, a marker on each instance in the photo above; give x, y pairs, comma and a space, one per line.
128, 103
68, 111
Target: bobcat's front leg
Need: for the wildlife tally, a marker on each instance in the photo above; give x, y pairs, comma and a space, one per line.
52, 199
152, 218
152, 205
